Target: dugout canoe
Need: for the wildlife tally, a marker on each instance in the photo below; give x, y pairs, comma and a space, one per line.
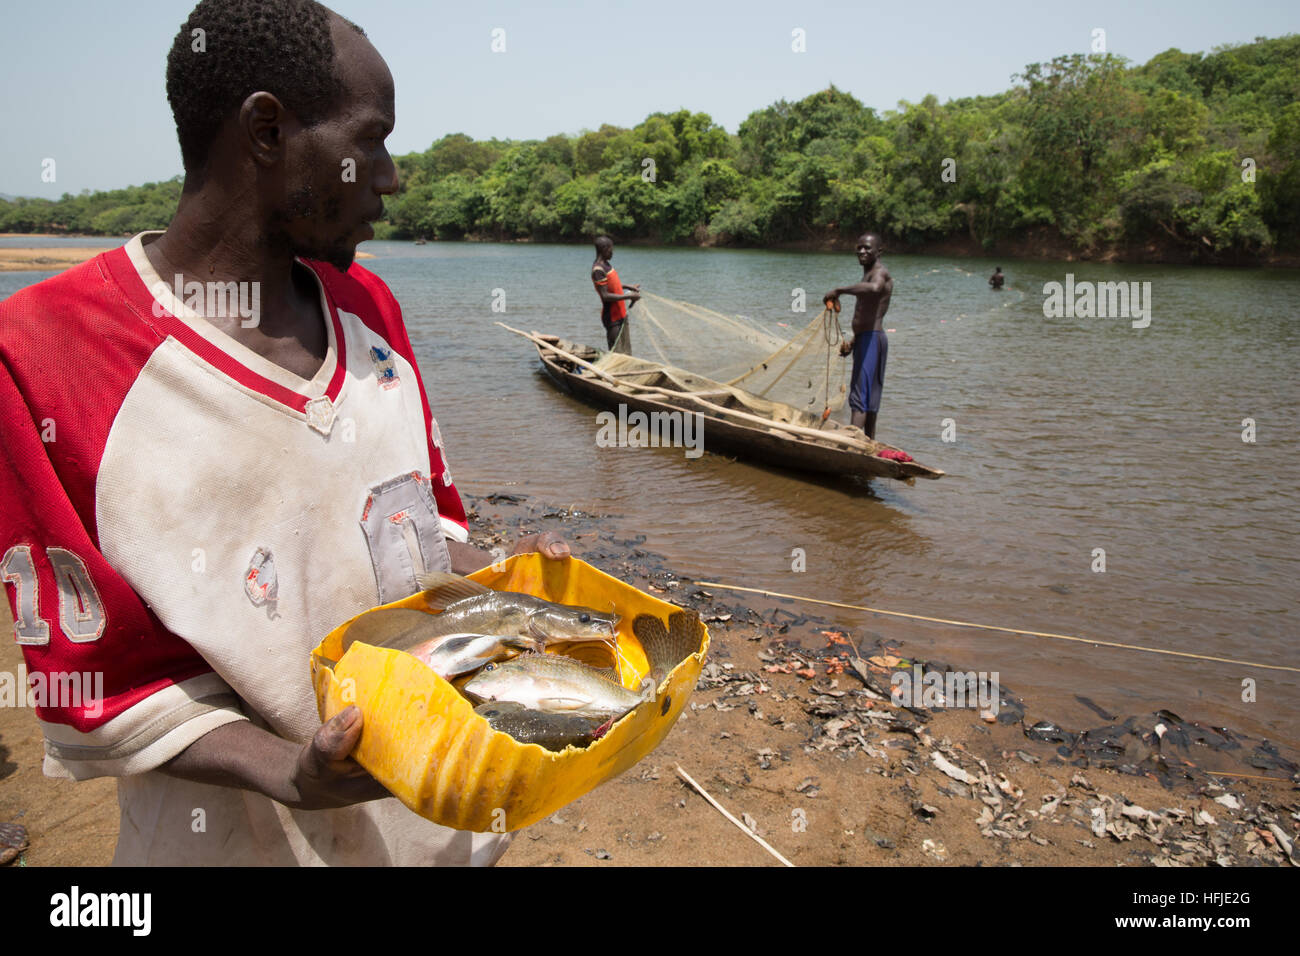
736, 422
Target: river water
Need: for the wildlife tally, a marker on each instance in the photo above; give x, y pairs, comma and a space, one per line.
1072, 434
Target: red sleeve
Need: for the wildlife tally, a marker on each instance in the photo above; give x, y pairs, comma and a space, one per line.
115, 692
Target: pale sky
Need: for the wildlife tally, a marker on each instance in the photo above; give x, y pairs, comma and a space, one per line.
83, 80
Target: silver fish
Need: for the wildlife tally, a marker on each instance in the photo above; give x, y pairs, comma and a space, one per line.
557, 685
453, 655
470, 608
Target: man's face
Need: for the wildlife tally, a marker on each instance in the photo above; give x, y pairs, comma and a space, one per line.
868, 249
337, 172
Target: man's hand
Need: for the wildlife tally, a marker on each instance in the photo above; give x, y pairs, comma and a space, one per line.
846, 346
832, 300
550, 544
318, 776
466, 559
325, 776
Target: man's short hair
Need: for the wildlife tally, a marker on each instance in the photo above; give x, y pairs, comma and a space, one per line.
603, 242
280, 46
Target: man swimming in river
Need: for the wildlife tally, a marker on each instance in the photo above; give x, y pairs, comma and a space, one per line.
869, 344
996, 280
614, 301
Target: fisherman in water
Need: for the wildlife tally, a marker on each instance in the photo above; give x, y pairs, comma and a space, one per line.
996, 280
614, 301
868, 345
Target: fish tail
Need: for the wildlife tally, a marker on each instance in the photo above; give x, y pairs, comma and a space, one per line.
666, 647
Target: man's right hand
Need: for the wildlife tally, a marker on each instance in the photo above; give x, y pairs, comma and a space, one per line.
319, 776
846, 346
325, 776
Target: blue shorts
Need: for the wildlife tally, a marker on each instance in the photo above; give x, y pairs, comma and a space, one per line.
869, 352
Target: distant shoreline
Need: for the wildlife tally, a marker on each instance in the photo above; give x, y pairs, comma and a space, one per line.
57, 235
1044, 245
46, 259
1041, 245
58, 258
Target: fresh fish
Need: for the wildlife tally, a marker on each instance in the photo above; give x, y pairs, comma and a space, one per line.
398, 628
509, 612
557, 685
666, 647
552, 731
454, 655
470, 608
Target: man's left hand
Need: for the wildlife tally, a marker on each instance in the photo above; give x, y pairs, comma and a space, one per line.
550, 544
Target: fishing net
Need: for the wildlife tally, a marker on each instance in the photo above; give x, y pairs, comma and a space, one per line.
798, 365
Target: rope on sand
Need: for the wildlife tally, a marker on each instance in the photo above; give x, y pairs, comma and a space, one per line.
717, 806
1007, 630
1247, 776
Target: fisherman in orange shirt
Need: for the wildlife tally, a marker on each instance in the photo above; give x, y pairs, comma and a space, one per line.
614, 301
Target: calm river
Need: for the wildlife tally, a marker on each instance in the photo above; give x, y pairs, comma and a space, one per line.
1072, 434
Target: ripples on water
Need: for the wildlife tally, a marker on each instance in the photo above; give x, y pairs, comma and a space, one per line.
1072, 434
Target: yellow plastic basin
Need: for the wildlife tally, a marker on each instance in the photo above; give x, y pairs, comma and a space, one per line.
422, 740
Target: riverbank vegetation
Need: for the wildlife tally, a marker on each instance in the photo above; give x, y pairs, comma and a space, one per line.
1190, 152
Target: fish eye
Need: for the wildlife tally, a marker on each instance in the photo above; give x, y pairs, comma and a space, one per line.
584, 618
490, 667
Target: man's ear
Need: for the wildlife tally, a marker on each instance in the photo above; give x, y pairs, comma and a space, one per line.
262, 119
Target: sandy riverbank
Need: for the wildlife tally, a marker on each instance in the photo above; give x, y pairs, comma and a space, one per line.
58, 258
830, 775
46, 259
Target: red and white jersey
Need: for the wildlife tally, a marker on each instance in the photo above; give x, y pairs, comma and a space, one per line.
188, 520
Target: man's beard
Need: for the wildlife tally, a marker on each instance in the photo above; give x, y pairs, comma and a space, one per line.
303, 204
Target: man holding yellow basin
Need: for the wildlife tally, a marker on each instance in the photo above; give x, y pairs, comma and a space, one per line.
227, 487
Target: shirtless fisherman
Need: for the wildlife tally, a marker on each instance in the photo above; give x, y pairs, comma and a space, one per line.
868, 345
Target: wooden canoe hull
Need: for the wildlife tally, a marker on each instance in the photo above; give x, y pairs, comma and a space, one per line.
774, 446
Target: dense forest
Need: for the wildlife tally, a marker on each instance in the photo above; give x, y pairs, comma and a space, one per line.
1189, 151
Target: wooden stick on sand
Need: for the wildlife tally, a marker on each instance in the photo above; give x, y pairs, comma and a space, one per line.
717, 806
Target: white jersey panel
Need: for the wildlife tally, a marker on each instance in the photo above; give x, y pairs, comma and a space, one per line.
204, 483
251, 535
